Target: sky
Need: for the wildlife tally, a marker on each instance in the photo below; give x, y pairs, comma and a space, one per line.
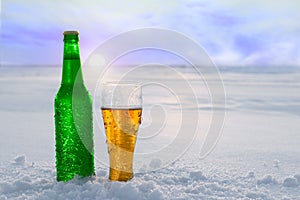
233, 32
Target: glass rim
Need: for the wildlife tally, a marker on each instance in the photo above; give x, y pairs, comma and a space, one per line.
121, 94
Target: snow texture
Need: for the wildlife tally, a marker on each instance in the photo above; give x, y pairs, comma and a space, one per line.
176, 182
257, 156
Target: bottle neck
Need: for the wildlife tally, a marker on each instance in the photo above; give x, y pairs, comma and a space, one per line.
71, 62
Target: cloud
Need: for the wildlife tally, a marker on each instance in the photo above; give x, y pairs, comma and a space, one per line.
247, 44
228, 58
282, 53
260, 33
231, 31
28, 24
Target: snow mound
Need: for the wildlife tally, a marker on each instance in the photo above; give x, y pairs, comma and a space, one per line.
124, 191
250, 174
268, 179
198, 176
256, 195
297, 176
3, 197
20, 160
290, 182
155, 163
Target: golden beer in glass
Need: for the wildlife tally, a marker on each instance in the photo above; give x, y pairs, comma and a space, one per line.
121, 112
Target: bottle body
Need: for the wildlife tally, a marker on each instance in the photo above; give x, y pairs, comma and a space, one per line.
73, 120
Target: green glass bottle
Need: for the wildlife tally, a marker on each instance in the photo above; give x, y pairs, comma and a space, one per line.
73, 117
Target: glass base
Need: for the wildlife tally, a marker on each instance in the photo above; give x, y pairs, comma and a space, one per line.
117, 175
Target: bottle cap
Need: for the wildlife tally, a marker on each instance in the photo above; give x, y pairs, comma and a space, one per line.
71, 33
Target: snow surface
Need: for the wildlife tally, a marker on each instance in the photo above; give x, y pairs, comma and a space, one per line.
257, 156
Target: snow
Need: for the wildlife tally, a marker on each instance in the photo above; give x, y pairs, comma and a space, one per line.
257, 156
290, 182
155, 163
268, 179
197, 175
176, 182
19, 160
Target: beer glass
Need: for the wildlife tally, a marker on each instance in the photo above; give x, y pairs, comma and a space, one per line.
121, 112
